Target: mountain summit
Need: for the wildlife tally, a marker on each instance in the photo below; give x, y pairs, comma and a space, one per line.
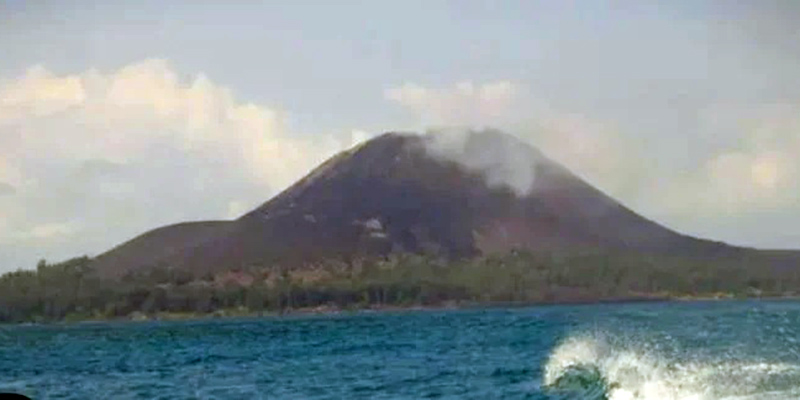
446, 194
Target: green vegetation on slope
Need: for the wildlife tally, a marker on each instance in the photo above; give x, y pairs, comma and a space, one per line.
71, 290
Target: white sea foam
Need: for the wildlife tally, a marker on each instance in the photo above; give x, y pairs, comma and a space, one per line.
632, 372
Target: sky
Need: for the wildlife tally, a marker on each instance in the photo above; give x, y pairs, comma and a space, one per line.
118, 117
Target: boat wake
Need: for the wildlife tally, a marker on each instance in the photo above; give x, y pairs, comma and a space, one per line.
594, 367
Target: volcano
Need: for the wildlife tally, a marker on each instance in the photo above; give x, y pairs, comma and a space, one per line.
481, 192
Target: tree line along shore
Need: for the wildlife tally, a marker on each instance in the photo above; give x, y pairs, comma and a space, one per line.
73, 291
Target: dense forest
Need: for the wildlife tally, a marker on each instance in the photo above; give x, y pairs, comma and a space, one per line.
71, 290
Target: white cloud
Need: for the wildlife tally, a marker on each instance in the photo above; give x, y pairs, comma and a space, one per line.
759, 171
39, 93
123, 151
120, 115
49, 231
466, 103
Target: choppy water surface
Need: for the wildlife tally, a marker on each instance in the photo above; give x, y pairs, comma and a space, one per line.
697, 351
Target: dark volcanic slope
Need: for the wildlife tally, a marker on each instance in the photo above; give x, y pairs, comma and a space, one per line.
390, 195
159, 245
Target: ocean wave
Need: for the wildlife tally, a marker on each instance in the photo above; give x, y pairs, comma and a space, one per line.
599, 367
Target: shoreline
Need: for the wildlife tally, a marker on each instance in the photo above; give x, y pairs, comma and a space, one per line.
327, 310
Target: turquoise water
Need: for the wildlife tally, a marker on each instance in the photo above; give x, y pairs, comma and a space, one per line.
697, 351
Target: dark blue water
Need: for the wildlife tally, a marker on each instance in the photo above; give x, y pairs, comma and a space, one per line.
713, 350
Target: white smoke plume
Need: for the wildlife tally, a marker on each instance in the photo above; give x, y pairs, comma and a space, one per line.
503, 160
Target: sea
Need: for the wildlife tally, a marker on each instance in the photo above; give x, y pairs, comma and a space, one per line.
654, 351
